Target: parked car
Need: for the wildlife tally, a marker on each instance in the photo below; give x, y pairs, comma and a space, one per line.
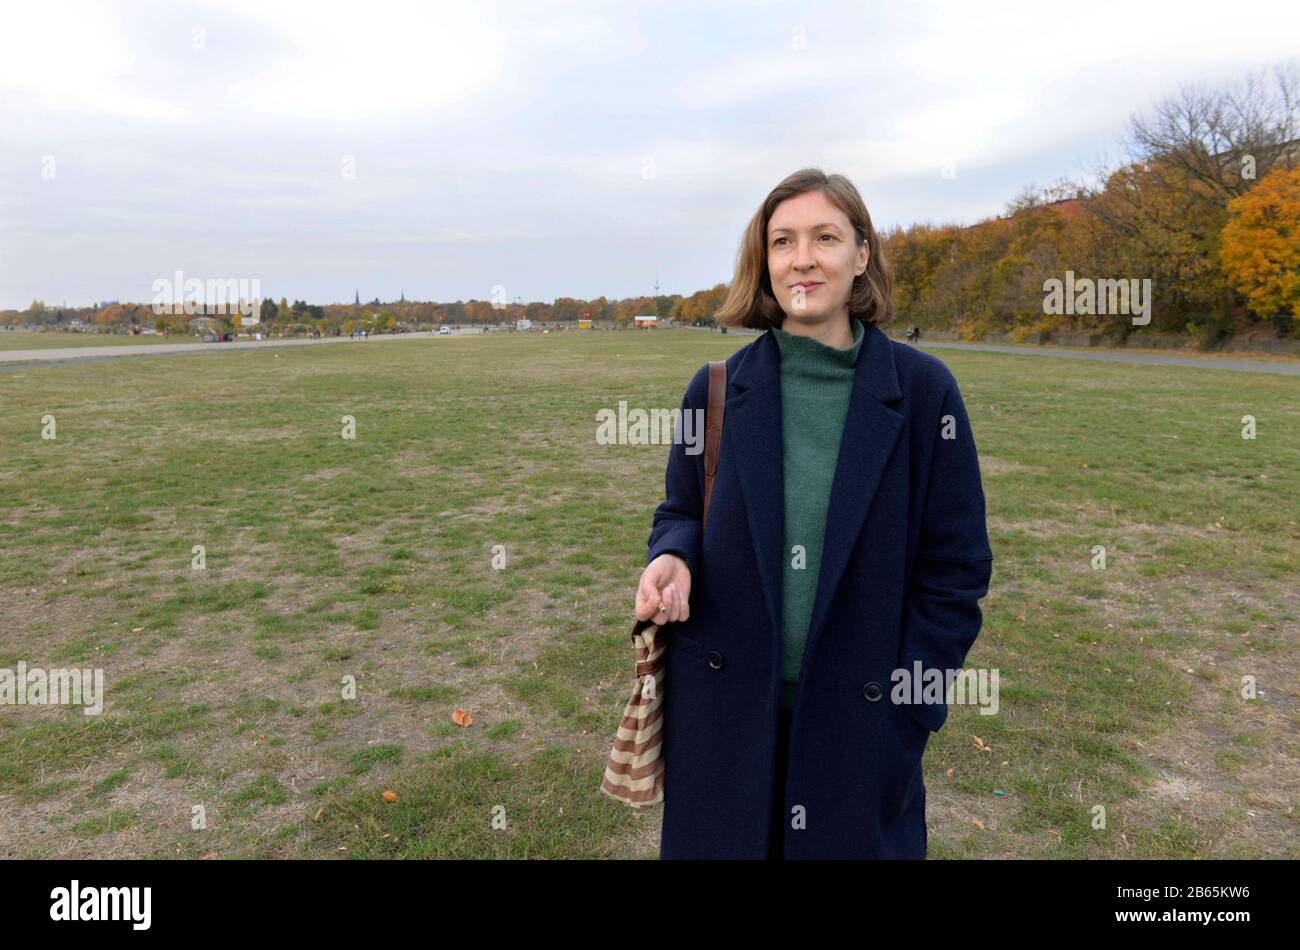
445, 331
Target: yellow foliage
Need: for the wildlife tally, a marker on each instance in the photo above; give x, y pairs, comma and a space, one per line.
1260, 246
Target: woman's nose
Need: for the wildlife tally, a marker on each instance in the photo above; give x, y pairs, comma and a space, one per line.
804, 259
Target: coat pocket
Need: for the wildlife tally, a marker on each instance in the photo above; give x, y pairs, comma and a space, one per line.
902, 779
683, 642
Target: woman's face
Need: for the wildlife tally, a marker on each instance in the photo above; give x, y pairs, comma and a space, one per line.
812, 258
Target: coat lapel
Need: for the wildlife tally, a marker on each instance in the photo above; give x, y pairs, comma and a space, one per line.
870, 431
753, 423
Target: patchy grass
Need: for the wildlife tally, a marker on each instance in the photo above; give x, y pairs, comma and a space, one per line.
348, 603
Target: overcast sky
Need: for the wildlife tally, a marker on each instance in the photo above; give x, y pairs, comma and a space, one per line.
550, 148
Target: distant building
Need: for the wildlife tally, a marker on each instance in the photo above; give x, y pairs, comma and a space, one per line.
584, 323
646, 322
1282, 154
203, 323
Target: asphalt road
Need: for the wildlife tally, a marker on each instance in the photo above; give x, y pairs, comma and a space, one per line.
1118, 356
1113, 356
11, 360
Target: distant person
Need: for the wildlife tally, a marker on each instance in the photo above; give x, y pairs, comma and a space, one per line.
821, 535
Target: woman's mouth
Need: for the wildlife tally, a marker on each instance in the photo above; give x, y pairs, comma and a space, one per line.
807, 287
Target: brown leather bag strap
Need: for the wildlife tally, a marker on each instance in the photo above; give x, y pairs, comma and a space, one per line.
713, 426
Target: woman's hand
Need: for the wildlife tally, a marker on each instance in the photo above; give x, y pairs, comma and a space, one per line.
665, 580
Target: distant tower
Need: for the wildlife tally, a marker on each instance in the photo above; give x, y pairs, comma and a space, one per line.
656, 286
358, 300
403, 300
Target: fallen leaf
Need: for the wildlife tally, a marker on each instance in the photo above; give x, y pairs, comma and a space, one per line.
390, 796
977, 823
461, 717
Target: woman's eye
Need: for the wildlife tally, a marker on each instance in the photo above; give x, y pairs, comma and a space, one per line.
778, 241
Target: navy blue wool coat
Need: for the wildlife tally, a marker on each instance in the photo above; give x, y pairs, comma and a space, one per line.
905, 561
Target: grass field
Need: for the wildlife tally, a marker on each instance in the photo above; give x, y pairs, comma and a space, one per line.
373, 558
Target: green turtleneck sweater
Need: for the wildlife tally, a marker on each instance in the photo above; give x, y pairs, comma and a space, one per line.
816, 383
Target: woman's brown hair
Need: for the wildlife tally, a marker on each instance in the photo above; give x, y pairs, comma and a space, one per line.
750, 301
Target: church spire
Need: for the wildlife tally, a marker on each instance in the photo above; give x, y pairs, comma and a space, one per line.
358, 300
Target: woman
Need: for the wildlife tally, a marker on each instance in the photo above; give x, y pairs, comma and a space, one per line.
846, 540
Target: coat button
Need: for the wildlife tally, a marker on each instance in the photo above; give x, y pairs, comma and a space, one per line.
872, 691
715, 659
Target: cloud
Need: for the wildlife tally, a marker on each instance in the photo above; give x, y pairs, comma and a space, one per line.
561, 148
75, 57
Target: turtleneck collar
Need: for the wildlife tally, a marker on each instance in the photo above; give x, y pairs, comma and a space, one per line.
805, 354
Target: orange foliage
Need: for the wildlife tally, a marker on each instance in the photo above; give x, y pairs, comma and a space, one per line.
1260, 247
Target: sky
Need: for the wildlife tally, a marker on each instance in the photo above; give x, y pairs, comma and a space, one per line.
549, 149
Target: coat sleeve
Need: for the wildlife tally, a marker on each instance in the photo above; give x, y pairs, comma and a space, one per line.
678, 521
953, 566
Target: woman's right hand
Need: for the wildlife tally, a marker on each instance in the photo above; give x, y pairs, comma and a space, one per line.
665, 580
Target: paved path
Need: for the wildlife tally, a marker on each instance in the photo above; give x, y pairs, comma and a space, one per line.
1118, 356
17, 359
1113, 356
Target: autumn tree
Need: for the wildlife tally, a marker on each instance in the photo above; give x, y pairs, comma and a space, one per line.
1223, 139
115, 315
1166, 206
1260, 247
